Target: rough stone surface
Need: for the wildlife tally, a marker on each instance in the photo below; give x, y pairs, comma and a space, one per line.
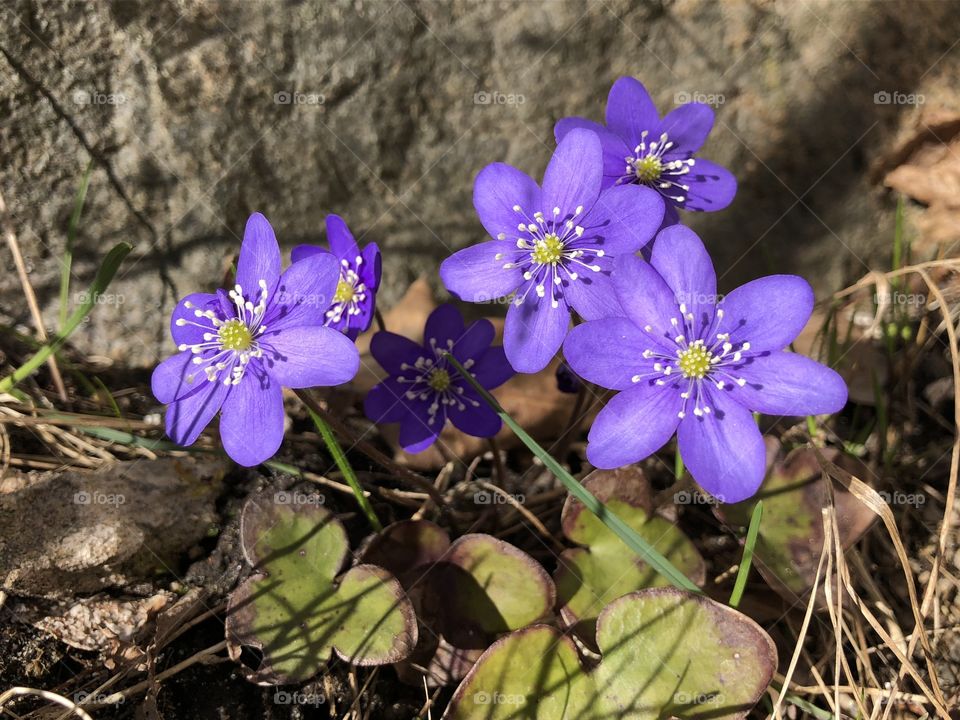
176, 103
70, 533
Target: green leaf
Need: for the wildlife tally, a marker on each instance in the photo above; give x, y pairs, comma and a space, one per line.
603, 569
665, 652
104, 276
296, 610
613, 521
465, 593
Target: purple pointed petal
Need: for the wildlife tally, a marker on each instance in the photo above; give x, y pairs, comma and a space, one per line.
633, 425
723, 449
630, 110
310, 357
169, 380
384, 403
646, 300
259, 256
492, 368
304, 293
573, 177
370, 268
534, 331
687, 127
768, 312
683, 262
474, 341
476, 274
624, 218
476, 417
251, 424
592, 294
784, 383
189, 333
608, 352
498, 188
341, 239
187, 417
393, 351
614, 149
416, 434
443, 328
300, 252
711, 187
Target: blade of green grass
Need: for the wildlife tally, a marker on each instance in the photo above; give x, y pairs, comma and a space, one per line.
67, 261
747, 559
100, 283
341, 460
613, 521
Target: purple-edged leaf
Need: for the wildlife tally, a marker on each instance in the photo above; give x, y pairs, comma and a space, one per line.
296, 611
666, 653
603, 569
791, 535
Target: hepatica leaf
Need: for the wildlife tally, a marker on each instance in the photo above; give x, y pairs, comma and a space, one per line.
665, 653
296, 610
791, 535
603, 569
466, 593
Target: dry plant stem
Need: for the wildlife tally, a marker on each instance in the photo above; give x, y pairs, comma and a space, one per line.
31, 298
369, 450
806, 623
529, 516
500, 472
169, 672
46, 695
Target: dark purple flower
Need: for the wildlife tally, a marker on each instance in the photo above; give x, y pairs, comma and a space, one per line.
424, 389
689, 364
639, 147
239, 348
554, 246
352, 308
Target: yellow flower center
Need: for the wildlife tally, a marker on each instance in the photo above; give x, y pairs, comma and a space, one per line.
439, 379
694, 362
648, 168
548, 250
234, 335
345, 292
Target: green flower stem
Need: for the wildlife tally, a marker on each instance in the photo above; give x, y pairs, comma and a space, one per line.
747, 559
636, 543
341, 460
100, 283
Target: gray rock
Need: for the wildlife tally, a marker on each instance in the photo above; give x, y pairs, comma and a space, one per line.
67, 533
177, 103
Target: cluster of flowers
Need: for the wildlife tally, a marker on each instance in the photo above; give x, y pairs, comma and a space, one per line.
599, 241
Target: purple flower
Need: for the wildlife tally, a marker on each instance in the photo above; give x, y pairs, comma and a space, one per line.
354, 301
688, 363
640, 148
238, 348
554, 246
424, 389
